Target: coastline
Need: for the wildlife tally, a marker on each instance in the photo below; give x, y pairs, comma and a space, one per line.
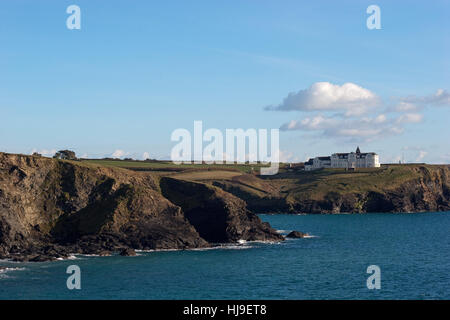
53, 208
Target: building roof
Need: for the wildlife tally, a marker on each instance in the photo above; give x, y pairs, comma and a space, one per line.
346, 154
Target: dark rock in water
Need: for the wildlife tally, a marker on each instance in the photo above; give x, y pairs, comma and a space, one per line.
128, 252
42, 258
33, 258
296, 234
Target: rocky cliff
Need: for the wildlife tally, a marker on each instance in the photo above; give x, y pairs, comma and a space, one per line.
50, 208
426, 189
217, 215
393, 188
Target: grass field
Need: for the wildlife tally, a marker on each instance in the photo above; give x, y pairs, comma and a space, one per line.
316, 184
170, 166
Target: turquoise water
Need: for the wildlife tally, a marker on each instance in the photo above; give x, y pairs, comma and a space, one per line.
412, 251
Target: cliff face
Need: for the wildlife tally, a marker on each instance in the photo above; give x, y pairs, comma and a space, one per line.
49, 208
263, 202
413, 188
427, 191
217, 215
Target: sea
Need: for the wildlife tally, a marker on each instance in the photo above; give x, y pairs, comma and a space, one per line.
345, 256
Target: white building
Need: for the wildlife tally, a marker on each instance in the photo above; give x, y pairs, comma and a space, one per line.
345, 160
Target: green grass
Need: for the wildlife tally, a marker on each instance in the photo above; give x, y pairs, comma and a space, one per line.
316, 184
170, 166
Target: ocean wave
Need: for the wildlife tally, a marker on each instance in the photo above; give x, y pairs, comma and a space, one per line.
264, 242
283, 231
81, 255
235, 247
159, 250
70, 257
224, 247
240, 245
3, 271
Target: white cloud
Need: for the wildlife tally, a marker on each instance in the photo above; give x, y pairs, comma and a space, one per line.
44, 152
145, 156
410, 118
348, 98
380, 118
119, 153
403, 106
354, 113
364, 129
315, 123
421, 155
287, 156
440, 98
415, 103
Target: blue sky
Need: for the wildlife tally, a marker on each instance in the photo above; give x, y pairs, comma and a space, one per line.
137, 70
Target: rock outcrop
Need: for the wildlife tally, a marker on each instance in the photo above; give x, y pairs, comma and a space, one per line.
217, 215
296, 235
393, 188
128, 252
50, 208
429, 191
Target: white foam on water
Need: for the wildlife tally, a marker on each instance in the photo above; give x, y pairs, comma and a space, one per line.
203, 249
3, 271
240, 245
265, 241
70, 257
235, 247
157, 250
283, 231
79, 255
